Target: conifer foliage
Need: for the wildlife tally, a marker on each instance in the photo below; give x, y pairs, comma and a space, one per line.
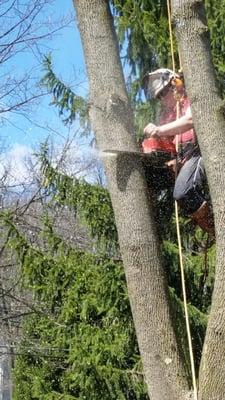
70, 105
81, 338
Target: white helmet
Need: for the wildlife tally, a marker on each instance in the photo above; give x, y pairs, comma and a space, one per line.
155, 82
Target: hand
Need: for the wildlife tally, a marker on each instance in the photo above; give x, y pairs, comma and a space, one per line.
172, 165
152, 130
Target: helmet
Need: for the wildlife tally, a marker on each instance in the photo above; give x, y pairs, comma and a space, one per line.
155, 82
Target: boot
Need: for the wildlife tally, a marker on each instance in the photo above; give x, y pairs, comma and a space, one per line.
204, 218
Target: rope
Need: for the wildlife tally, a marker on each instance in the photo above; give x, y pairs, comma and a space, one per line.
191, 355
171, 35
182, 269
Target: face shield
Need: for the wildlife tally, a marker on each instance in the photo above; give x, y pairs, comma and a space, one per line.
155, 82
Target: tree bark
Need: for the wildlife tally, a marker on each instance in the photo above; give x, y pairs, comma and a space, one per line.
112, 121
208, 115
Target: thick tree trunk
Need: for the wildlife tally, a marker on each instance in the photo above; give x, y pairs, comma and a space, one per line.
208, 114
112, 122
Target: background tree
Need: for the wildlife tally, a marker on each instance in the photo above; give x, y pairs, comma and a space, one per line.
80, 287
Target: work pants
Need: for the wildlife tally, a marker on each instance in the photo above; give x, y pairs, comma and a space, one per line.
190, 185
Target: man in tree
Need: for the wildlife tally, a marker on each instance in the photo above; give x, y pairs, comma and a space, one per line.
176, 125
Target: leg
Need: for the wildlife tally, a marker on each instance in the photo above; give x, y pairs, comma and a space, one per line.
189, 192
189, 185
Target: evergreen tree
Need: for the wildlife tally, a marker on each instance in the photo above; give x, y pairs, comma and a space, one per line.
80, 343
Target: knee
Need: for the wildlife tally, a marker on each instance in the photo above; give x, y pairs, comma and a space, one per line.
189, 201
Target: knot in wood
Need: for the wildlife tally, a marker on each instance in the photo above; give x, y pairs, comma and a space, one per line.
116, 104
189, 396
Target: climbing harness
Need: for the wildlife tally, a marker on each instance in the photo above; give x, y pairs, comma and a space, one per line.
194, 383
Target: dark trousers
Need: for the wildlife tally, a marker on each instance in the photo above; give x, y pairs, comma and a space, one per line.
190, 184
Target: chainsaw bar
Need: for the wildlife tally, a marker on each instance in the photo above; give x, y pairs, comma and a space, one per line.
115, 152
155, 158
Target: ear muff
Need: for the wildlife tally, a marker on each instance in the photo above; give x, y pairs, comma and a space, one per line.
177, 82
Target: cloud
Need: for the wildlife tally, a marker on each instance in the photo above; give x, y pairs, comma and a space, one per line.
14, 165
79, 160
19, 166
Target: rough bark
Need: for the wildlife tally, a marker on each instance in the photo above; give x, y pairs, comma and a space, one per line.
112, 121
208, 115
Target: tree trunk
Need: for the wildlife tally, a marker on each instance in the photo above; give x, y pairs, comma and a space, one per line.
112, 121
5, 372
208, 115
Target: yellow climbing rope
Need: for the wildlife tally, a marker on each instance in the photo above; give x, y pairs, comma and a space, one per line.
171, 34
194, 383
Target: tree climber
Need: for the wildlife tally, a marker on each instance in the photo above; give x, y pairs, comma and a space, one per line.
168, 87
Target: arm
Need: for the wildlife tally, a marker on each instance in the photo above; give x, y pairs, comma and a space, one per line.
176, 127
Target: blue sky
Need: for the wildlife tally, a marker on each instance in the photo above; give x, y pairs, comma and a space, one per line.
68, 63
22, 136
